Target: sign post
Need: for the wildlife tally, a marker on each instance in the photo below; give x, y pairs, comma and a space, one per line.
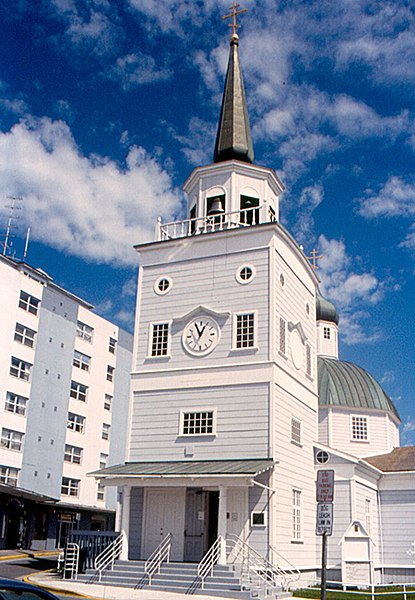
324, 521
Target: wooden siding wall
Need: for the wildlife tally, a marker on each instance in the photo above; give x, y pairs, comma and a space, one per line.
398, 526
241, 418
136, 523
341, 521
364, 493
260, 500
341, 433
323, 426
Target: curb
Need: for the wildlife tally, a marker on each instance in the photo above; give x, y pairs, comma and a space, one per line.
55, 590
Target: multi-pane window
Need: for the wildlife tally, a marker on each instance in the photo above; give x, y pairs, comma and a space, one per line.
110, 373
296, 431
197, 423
78, 391
28, 303
20, 368
359, 428
82, 361
9, 475
107, 402
308, 360
73, 454
15, 404
76, 422
12, 440
103, 460
283, 336
245, 330
296, 514
112, 344
24, 335
70, 487
326, 333
160, 339
105, 434
84, 331
368, 514
100, 492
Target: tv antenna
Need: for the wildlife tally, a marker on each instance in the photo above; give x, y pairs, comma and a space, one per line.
13, 206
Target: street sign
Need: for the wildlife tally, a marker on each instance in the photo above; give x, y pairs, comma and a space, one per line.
324, 522
325, 485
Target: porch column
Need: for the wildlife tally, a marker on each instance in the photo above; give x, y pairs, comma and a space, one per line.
223, 495
125, 520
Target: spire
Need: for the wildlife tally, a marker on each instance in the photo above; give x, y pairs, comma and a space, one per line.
233, 139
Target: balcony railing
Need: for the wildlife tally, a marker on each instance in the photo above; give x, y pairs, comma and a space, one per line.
200, 225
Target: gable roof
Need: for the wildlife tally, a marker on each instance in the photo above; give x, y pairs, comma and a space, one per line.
400, 459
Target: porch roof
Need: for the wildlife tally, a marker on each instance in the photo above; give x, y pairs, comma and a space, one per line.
183, 468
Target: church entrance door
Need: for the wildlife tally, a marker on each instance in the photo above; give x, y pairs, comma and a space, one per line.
201, 523
164, 513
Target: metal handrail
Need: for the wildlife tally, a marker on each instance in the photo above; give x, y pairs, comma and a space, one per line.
160, 554
198, 225
291, 572
109, 555
205, 567
255, 568
71, 561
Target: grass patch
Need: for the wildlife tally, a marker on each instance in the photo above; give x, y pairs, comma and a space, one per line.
393, 593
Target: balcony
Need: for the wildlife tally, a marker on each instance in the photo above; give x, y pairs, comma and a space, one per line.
219, 222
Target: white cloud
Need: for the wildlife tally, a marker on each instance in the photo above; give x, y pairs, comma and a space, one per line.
395, 198
85, 206
310, 198
137, 69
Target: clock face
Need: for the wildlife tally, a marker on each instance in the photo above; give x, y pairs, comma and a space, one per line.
200, 336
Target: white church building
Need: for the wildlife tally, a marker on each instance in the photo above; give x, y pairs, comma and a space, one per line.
239, 396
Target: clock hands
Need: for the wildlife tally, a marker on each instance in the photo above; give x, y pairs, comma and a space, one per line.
200, 332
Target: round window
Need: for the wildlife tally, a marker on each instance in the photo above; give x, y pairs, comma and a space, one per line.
245, 274
162, 285
322, 457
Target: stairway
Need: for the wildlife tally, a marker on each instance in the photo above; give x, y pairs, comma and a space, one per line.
174, 577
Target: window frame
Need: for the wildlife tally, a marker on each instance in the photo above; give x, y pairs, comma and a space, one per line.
103, 460
308, 360
100, 492
76, 393
72, 485
112, 345
356, 422
163, 343
81, 361
26, 335
106, 431
110, 373
201, 411
21, 370
11, 439
238, 274
73, 453
296, 435
297, 530
85, 332
166, 290
108, 401
12, 403
7, 477
29, 304
252, 331
326, 332
282, 347
78, 422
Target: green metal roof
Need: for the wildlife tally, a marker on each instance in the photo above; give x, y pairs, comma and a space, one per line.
181, 468
342, 383
325, 310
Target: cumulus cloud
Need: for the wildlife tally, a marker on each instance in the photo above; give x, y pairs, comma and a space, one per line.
310, 198
137, 69
395, 198
85, 206
351, 292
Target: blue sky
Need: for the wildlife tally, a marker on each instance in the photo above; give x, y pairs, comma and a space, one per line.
107, 105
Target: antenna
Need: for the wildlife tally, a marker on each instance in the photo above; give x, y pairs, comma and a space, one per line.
26, 243
13, 207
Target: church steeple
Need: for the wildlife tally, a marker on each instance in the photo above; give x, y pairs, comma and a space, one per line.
233, 139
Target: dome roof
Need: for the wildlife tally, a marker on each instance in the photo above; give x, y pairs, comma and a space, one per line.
344, 384
325, 310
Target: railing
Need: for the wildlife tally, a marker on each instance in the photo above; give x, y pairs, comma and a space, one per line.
71, 561
210, 559
91, 544
289, 572
219, 222
256, 572
156, 559
108, 556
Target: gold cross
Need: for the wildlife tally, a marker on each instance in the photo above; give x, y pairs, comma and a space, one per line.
314, 256
233, 15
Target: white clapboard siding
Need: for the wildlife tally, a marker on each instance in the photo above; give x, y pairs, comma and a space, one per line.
341, 433
369, 521
341, 521
241, 423
398, 526
136, 523
323, 426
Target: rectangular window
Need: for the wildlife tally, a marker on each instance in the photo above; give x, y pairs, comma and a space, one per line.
368, 514
112, 344
296, 431
12, 440
76, 422
197, 423
9, 475
245, 331
73, 454
160, 339
15, 404
359, 429
24, 335
110, 373
20, 368
28, 303
84, 331
70, 487
100, 492
296, 515
78, 391
103, 458
107, 402
105, 431
308, 360
81, 361
283, 336
326, 333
